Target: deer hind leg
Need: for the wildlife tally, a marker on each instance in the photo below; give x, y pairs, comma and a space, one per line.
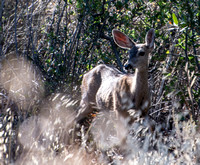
88, 89
85, 109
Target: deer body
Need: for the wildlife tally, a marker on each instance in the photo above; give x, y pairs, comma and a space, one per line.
106, 88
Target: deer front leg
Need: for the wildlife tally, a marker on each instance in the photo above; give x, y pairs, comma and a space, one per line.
115, 104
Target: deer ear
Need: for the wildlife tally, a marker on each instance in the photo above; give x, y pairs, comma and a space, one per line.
150, 38
122, 40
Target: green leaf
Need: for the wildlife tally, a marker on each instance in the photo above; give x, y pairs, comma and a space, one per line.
167, 52
191, 57
48, 61
167, 74
175, 19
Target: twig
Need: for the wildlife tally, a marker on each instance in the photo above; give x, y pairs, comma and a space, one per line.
1, 28
60, 17
16, 46
73, 41
196, 60
188, 75
167, 67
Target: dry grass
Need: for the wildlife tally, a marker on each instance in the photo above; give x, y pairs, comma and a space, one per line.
38, 130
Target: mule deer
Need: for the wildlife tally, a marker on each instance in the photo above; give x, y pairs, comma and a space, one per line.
106, 88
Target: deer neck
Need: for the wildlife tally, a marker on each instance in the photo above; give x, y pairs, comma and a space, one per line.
141, 79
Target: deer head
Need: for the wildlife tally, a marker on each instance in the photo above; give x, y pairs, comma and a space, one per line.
138, 53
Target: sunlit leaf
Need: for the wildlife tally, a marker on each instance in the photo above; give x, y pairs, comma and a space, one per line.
167, 52
175, 19
191, 57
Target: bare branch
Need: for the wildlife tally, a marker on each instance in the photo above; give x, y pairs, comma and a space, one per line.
114, 50
1, 28
16, 46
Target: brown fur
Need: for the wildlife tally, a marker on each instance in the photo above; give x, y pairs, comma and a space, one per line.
106, 88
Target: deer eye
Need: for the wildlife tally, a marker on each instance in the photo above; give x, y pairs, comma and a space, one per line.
141, 53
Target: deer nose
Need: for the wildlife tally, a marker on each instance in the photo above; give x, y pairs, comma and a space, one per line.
128, 66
